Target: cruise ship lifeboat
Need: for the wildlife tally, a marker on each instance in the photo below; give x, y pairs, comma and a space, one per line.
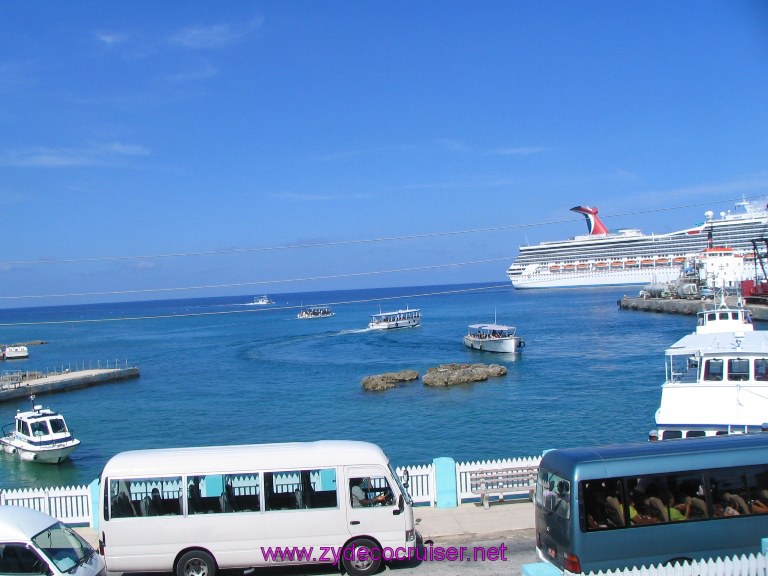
616, 264
662, 261
569, 267
601, 265
631, 263
582, 266
646, 262
554, 268
678, 259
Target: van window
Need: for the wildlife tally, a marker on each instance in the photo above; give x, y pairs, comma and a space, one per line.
145, 497
363, 491
18, 559
300, 489
604, 503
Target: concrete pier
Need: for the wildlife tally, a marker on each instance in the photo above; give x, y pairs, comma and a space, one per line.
691, 307
64, 381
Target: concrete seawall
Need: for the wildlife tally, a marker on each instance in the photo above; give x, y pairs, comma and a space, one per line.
65, 381
681, 306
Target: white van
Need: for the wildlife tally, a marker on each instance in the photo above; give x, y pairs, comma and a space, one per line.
33, 542
196, 511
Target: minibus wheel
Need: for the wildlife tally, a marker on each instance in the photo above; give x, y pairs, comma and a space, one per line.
196, 563
361, 557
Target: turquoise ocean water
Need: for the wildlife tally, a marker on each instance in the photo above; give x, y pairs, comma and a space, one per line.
216, 371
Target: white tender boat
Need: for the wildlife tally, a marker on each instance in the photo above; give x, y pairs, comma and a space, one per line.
39, 435
408, 318
716, 379
494, 338
15, 352
315, 312
262, 300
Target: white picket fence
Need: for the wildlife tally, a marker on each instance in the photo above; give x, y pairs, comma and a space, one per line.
752, 565
71, 504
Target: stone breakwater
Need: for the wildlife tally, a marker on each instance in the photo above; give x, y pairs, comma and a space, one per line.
443, 375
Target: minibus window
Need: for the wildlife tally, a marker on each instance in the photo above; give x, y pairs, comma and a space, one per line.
145, 497
603, 503
370, 491
18, 559
300, 489
739, 492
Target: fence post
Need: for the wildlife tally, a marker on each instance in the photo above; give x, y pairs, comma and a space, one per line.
445, 482
94, 487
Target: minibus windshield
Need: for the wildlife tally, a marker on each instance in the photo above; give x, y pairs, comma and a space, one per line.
553, 494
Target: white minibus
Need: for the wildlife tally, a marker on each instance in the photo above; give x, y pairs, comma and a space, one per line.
195, 511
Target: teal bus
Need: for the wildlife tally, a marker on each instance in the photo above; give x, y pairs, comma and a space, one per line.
619, 506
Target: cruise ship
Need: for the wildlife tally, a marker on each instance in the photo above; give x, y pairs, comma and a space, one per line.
627, 256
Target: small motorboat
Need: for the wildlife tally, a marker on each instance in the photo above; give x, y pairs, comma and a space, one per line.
262, 300
38, 435
494, 338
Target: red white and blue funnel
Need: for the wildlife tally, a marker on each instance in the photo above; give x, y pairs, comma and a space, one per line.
595, 225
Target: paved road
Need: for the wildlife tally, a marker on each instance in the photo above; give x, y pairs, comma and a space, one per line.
515, 547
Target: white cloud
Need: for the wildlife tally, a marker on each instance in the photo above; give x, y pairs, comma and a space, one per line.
66, 157
213, 37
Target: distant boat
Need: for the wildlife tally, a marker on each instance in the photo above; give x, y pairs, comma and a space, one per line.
15, 352
39, 435
408, 318
315, 312
262, 300
494, 338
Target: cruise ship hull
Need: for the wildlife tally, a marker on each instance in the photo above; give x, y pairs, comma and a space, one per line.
597, 278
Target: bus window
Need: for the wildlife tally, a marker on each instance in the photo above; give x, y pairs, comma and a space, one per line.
145, 497
301, 489
370, 491
739, 492
603, 503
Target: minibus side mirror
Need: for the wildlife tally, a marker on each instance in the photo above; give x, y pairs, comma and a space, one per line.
400, 506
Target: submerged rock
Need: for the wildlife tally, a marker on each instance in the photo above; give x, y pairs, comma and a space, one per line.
389, 379
452, 374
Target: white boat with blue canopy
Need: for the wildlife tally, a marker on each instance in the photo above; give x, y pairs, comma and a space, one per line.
408, 318
39, 435
494, 338
716, 379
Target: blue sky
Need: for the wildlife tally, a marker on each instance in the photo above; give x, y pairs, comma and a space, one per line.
163, 149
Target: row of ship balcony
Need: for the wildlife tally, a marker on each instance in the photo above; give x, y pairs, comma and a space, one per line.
648, 262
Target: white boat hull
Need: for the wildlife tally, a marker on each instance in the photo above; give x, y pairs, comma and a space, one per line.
45, 454
409, 323
608, 277
511, 345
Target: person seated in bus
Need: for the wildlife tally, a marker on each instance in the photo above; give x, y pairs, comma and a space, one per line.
676, 510
358, 487
157, 502
759, 506
637, 513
